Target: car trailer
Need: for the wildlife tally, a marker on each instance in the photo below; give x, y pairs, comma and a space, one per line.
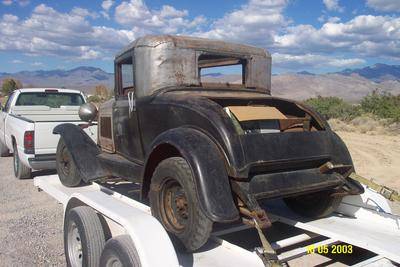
104, 224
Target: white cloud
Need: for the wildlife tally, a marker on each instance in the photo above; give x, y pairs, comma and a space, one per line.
20, 2
366, 35
256, 22
107, 4
333, 5
16, 61
49, 32
296, 62
384, 5
137, 16
37, 64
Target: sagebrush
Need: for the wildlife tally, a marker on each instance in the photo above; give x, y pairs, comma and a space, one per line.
381, 105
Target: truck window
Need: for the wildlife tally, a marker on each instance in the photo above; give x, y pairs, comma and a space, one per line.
53, 100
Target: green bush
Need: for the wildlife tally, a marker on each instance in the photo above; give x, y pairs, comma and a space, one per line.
94, 99
383, 105
334, 107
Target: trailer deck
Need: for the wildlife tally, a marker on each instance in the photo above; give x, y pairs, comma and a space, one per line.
361, 221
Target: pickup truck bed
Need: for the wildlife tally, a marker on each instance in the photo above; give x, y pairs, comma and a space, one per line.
27, 124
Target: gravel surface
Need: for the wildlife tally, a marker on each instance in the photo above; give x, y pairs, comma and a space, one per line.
30, 222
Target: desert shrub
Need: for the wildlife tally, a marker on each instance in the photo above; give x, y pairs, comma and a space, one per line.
334, 107
94, 99
383, 105
9, 85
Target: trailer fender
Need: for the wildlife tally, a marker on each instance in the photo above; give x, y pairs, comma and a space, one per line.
83, 151
208, 167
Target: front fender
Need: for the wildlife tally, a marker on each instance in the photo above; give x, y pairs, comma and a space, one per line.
208, 167
83, 151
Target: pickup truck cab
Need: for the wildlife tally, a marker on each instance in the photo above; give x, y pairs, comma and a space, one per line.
27, 121
205, 152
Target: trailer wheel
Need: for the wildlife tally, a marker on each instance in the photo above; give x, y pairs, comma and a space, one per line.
83, 237
175, 204
314, 205
4, 152
66, 168
119, 251
20, 170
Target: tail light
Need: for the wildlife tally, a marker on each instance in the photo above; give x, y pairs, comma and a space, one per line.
29, 142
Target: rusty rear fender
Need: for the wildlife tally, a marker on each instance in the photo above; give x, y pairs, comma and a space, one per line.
208, 167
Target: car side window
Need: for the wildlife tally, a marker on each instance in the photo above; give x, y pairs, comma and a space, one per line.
8, 103
126, 77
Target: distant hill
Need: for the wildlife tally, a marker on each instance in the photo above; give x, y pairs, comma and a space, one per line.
82, 78
351, 88
378, 72
349, 84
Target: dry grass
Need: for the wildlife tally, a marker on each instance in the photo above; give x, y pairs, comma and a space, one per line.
366, 125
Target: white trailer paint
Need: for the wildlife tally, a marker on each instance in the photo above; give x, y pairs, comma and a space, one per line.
363, 221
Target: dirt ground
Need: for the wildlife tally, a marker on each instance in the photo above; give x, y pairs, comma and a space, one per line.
31, 221
375, 156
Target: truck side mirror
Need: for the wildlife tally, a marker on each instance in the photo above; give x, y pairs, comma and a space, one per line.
88, 112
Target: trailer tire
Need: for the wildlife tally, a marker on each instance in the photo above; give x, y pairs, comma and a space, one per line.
67, 171
119, 251
174, 202
314, 205
83, 237
4, 152
20, 170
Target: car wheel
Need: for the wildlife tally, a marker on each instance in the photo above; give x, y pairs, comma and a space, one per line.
83, 237
20, 170
175, 204
314, 205
4, 152
119, 251
67, 171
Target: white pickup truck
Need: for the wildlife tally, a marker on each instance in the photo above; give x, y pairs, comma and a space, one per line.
27, 121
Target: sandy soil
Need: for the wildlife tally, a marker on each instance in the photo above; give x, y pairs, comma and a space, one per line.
375, 156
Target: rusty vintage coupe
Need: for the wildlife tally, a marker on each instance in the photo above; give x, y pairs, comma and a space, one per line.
206, 152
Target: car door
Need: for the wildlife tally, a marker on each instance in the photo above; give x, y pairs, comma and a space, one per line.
125, 120
3, 116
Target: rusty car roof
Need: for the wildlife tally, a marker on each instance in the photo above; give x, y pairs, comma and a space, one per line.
195, 43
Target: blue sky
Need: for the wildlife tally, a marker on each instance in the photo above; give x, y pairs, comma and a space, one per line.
317, 36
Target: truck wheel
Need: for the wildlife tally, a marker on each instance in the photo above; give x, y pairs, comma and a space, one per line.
314, 205
83, 237
20, 170
4, 152
66, 168
175, 204
119, 251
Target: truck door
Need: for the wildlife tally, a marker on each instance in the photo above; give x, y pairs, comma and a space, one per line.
127, 137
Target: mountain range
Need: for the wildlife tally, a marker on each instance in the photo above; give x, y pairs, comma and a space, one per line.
82, 78
350, 84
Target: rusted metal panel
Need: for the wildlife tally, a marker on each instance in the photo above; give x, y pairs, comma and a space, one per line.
167, 61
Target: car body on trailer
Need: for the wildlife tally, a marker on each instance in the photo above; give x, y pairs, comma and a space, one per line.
207, 152
27, 122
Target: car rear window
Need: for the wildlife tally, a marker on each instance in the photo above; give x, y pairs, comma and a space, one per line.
53, 100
